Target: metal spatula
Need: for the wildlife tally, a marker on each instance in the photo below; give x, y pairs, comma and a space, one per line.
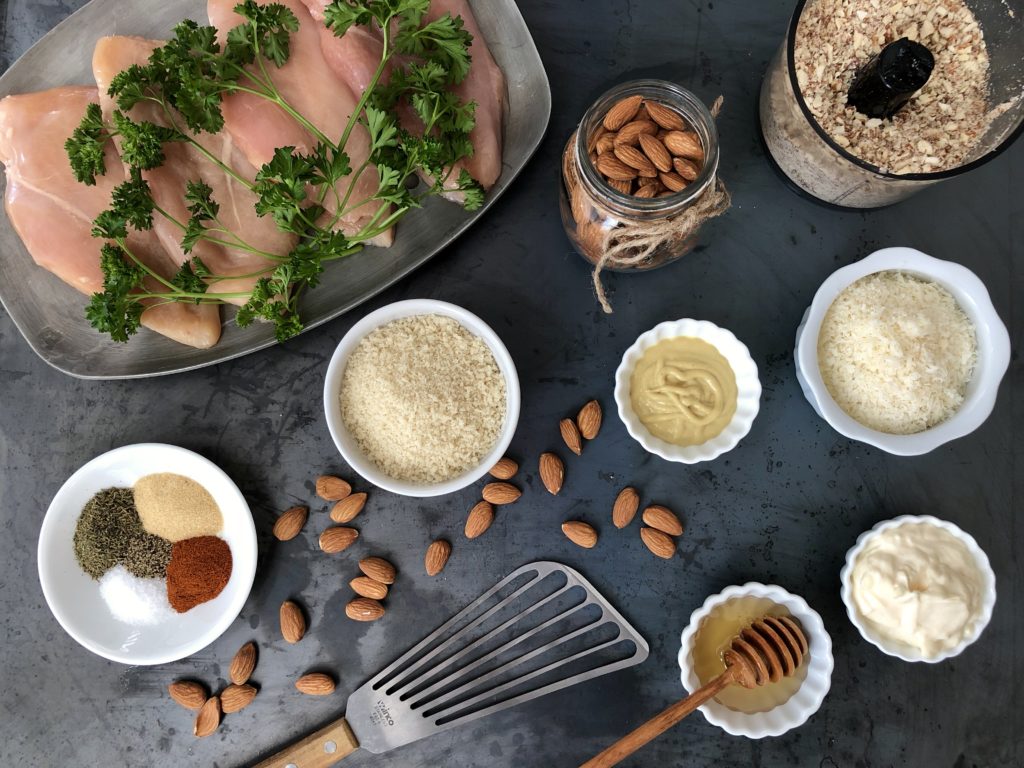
540, 629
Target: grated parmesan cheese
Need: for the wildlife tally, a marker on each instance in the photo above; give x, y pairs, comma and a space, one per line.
896, 352
424, 398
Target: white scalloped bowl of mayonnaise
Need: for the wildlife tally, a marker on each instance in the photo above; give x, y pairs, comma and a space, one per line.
918, 588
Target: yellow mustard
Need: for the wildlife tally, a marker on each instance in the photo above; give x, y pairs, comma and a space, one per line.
683, 390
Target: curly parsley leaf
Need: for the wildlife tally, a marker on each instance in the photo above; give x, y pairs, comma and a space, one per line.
86, 145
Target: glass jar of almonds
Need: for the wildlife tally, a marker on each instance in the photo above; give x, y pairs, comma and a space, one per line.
639, 177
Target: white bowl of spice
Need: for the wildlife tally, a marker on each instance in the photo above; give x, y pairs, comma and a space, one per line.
902, 351
687, 390
147, 554
421, 397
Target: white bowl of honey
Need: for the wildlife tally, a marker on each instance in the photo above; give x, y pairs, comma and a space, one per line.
771, 709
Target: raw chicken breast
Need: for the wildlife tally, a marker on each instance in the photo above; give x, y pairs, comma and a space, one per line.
354, 57
309, 85
185, 163
53, 213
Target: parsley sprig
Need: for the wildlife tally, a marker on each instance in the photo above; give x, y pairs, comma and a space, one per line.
188, 78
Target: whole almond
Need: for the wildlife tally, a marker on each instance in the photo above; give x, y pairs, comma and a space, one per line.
663, 519
625, 507
505, 469
337, 538
480, 518
625, 187
634, 158
243, 664
364, 609
571, 435
236, 697
552, 472
613, 168
684, 144
687, 169
346, 509
364, 586
630, 133
656, 152
605, 144
501, 493
315, 684
208, 718
290, 522
672, 181
665, 117
595, 137
378, 569
589, 419
647, 191
622, 112
331, 488
293, 623
580, 533
437, 556
659, 543
188, 693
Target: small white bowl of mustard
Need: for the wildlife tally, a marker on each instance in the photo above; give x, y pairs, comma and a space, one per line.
687, 390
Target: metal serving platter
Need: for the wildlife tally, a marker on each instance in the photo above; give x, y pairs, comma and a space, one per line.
49, 313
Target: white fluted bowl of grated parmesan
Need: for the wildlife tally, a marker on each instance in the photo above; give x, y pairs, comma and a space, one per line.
421, 398
902, 351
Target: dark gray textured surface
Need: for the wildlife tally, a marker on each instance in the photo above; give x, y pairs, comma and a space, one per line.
783, 507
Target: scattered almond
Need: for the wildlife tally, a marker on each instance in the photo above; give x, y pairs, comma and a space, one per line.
634, 158
659, 543
663, 519
378, 569
656, 152
437, 556
315, 684
613, 168
687, 169
337, 538
505, 469
589, 419
552, 472
622, 112
364, 586
672, 181
346, 509
501, 493
571, 435
684, 144
188, 693
331, 488
664, 116
625, 507
290, 522
480, 518
243, 664
293, 623
630, 133
235, 698
364, 609
580, 533
208, 718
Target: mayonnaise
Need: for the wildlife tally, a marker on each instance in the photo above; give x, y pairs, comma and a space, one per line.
919, 585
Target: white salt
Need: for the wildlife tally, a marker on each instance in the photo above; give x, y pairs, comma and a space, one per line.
140, 602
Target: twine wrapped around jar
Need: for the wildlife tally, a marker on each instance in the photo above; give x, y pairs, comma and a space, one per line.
631, 244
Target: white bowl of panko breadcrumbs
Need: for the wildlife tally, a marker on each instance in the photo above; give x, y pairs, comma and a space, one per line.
902, 351
421, 398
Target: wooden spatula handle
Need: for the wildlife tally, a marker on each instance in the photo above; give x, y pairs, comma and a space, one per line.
658, 724
318, 750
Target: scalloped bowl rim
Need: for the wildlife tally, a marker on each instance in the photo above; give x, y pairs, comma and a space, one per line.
901, 650
346, 445
972, 296
808, 698
748, 387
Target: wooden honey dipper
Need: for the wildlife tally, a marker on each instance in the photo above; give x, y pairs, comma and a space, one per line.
767, 650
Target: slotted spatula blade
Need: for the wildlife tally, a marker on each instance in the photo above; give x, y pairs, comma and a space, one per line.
540, 629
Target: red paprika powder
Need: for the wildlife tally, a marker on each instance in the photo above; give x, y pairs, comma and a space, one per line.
198, 571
